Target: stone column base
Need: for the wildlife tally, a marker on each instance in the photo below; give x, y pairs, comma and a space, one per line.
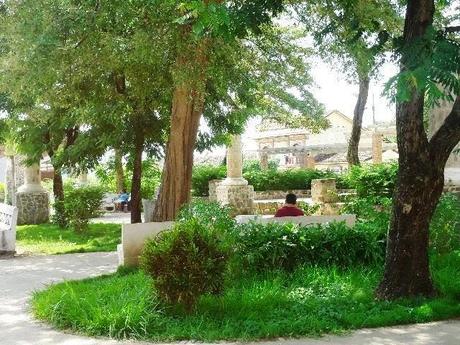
33, 208
239, 197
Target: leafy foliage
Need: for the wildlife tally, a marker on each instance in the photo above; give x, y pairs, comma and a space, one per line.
81, 203
445, 225
376, 180
204, 173
186, 263
265, 247
151, 176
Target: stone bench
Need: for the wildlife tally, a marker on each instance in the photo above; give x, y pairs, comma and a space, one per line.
349, 219
133, 237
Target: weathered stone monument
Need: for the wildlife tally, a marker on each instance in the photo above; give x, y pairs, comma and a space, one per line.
8, 219
32, 200
324, 193
235, 190
377, 148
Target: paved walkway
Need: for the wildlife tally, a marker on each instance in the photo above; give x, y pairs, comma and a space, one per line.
20, 276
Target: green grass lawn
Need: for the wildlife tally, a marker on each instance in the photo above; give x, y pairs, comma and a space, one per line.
309, 302
51, 239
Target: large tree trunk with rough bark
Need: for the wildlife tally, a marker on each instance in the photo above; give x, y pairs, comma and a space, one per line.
353, 144
137, 178
187, 108
119, 172
177, 170
420, 179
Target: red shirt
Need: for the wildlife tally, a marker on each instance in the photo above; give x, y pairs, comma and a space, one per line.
289, 211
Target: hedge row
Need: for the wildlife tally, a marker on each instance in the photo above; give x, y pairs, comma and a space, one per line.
367, 180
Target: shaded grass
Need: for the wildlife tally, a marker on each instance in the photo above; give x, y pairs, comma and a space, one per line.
309, 302
51, 239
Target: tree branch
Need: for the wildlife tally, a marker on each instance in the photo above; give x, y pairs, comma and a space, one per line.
448, 135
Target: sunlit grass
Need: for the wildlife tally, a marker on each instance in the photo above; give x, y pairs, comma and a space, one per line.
51, 239
309, 302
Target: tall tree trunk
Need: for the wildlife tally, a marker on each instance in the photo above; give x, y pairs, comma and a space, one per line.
177, 170
119, 172
137, 178
353, 144
420, 179
58, 192
58, 185
187, 108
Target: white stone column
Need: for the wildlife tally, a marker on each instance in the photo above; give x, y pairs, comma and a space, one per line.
32, 180
234, 191
32, 199
235, 163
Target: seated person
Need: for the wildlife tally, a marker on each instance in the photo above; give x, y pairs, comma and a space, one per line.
290, 208
123, 199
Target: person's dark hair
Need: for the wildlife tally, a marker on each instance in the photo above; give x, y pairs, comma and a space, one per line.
291, 199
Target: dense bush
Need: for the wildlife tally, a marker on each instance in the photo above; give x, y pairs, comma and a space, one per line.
373, 179
209, 214
274, 246
284, 180
204, 173
186, 263
445, 225
81, 203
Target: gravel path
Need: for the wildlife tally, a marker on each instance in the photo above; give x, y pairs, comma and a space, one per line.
20, 276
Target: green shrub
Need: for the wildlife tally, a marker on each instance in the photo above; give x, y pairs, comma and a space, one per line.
445, 225
377, 180
264, 247
204, 173
209, 214
186, 263
290, 179
79, 206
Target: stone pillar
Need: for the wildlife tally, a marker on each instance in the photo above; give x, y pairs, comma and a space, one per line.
234, 191
32, 199
377, 145
264, 160
324, 193
212, 187
14, 178
309, 161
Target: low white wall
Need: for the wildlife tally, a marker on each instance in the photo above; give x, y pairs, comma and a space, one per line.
133, 237
349, 219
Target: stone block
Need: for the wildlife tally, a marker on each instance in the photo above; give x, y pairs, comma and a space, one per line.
33, 208
238, 197
212, 185
133, 237
324, 190
8, 219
